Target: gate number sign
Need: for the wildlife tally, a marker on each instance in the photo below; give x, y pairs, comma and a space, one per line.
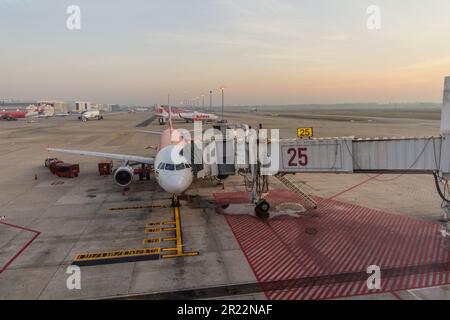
304, 132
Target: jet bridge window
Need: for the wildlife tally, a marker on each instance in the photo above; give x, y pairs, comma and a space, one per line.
170, 166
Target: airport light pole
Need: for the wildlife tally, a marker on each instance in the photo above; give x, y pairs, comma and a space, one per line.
210, 100
203, 102
223, 99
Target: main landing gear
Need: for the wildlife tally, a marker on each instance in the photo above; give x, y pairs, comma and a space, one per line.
262, 209
144, 173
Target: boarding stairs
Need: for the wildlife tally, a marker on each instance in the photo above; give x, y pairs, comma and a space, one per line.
291, 185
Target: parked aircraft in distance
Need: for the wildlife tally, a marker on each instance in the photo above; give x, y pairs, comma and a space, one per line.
182, 115
90, 115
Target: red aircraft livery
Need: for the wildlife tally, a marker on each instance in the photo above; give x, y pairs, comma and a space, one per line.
14, 114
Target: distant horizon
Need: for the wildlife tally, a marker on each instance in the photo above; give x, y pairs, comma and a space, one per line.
343, 104
268, 52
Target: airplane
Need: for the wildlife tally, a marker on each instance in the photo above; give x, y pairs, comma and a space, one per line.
6, 117
45, 111
183, 115
90, 115
173, 173
17, 114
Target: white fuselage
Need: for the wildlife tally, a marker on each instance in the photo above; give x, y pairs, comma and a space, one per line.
173, 172
185, 115
90, 115
198, 116
174, 177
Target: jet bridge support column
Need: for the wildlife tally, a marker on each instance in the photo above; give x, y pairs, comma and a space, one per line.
445, 155
445, 131
446, 215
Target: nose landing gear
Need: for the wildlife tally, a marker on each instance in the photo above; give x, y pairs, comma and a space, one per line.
262, 209
175, 202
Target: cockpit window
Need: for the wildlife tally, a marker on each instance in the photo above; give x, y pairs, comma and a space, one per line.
173, 167
170, 166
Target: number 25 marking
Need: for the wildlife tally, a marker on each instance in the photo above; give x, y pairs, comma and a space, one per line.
300, 154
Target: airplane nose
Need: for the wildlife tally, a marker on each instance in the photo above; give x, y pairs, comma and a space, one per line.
174, 184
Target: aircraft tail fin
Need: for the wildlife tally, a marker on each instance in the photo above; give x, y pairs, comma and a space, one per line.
170, 112
159, 109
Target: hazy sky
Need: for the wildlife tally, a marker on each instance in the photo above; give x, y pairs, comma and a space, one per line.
262, 51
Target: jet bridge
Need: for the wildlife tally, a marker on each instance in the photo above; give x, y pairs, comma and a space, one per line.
370, 155
414, 155
406, 155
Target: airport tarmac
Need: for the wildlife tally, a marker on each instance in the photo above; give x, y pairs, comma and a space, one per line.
46, 222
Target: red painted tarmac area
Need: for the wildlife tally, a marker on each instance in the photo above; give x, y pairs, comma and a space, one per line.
18, 253
325, 253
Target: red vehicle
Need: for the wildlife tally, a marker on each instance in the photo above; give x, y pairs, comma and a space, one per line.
105, 168
14, 114
67, 170
52, 165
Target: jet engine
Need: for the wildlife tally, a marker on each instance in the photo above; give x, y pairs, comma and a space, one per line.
124, 176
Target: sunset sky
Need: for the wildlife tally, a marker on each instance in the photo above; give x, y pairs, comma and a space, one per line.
262, 51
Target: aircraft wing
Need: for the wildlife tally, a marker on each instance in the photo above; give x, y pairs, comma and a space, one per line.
113, 156
158, 133
186, 116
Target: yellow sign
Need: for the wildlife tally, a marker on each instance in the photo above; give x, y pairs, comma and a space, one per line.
152, 240
304, 132
152, 230
117, 254
153, 224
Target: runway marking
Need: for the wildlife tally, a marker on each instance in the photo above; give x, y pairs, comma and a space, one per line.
305, 283
354, 187
118, 256
152, 230
138, 207
157, 224
411, 292
177, 251
36, 234
396, 295
147, 122
151, 240
142, 254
